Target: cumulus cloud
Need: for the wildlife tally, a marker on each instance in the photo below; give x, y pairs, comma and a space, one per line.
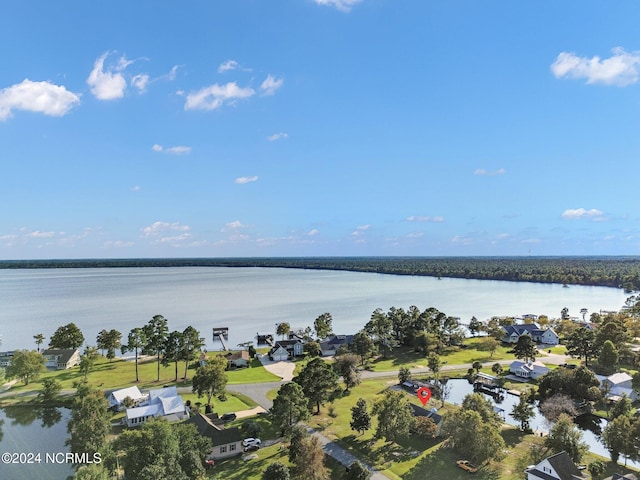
118, 244
270, 85
488, 173
214, 96
158, 229
243, 180
39, 234
313, 232
620, 69
140, 81
342, 5
233, 226
228, 65
108, 84
177, 150
41, 97
577, 213
424, 218
277, 136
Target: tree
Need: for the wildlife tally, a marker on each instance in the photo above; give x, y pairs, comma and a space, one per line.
312, 349
565, 436
93, 471
360, 418
283, 329
297, 436
475, 326
192, 343
289, 407
522, 412
596, 469
395, 416
173, 351
404, 375
39, 338
608, 358
525, 349
477, 365
464, 427
425, 427
26, 365
357, 471
211, 379
480, 404
251, 429
322, 325
135, 342
621, 407
318, 381
87, 360
557, 405
276, 471
433, 361
380, 328
617, 438
50, 390
582, 344
496, 368
346, 367
489, 344
363, 346
109, 340
309, 463
155, 335
67, 336
90, 422
193, 448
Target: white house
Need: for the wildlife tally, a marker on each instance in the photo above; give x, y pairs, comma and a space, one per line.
279, 353
556, 467
532, 370
513, 332
117, 396
617, 385
162, 402
61, 359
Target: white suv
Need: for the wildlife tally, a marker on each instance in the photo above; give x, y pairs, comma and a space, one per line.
251, 442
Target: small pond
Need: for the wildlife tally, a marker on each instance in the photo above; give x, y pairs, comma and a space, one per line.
34, 430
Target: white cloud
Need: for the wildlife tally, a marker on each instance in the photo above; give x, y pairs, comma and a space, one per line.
592, 214
39, 234
177, 150
270, 85
227, 66
243, 180
159, 228
135, 188
118, 244
620, 69
313, 232
140, 81
214, 96
425, 218
233, 226
41, 97
108, 84
277, 136
415, 235
343, 5
481, 171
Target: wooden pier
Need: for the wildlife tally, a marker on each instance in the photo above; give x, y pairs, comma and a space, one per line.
221, 334
264, 339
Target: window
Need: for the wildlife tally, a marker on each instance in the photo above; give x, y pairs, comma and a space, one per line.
232, 447
223, 449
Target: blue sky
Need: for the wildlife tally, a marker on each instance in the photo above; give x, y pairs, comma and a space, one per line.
319, 127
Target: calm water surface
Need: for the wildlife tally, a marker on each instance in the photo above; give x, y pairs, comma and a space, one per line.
250, 300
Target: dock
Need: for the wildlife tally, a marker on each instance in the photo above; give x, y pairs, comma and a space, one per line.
221, 334
265, 339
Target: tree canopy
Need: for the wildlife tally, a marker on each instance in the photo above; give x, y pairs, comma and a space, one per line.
67, 336
211, 379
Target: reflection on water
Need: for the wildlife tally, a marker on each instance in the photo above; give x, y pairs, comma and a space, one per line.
34, 430
590, 425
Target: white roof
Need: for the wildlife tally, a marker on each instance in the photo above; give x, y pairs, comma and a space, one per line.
172, 405
619, 377
162, 393
138, 412
133, 393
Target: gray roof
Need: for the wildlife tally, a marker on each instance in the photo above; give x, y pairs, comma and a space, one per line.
219, 436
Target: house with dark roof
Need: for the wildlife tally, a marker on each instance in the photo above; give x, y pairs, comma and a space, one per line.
293, 347
225, 442
61, 359
239, 359
556, 467
330, 345
513, 332
432, 414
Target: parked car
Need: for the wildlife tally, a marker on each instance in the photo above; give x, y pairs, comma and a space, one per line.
467, 465
228, 417
252, 448
249, 442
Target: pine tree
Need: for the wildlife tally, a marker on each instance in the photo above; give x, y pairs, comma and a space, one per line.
360, 418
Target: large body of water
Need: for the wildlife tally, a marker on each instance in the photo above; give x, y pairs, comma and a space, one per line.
250, 300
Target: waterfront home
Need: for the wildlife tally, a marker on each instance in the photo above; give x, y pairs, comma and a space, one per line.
617, 385
513, 332
225, 442
239, 359
61, 359
278, 354
532, 370
294, 348
162, 402
118, 396
432, 414
556, 467
330, 345
5, 358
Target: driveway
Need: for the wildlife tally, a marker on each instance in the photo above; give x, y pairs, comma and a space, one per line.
284, 370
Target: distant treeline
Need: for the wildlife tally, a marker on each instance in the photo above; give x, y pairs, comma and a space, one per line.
618, 272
